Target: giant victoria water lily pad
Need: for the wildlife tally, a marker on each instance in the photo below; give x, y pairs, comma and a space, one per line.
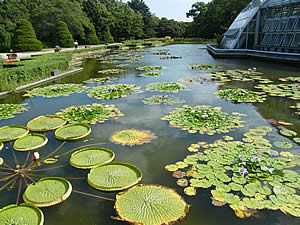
30, 142
1, 146
90, 113
45, 123
48, 191
151, 205
12, 132
204, 119
73, 132
241, 95
114, 176
243, 175
56, 90
88, 158
132, 137
24, 214
113, 91
9, 110
166, 86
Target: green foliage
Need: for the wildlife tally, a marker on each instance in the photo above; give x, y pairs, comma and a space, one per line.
149, 68
5, 39
166, 86
8, 110
170, 28
63, 35
162, 99
241, 95
203, 67
24, 38
91, 36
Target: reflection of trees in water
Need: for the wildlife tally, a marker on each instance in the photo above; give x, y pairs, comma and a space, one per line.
15, 98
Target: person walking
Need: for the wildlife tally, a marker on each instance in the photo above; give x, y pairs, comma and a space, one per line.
76, 44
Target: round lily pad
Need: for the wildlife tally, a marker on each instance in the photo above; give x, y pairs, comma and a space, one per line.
1, 161
288, 133
45, 123
72, 132
283, 144
50, 161
48, 191
12, 132
1, 146
30, 142
114, 176
88, 158
132, 137
21, 215
151, 205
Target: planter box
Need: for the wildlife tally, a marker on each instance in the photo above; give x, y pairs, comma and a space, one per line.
12, 56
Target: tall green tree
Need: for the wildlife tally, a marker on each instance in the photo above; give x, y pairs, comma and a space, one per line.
24, 38
170, 28
5, 39
63, 36
91, 36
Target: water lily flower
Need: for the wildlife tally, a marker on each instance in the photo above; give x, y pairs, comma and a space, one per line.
36, 155
255, 158
241, 156
254, 68
243, 170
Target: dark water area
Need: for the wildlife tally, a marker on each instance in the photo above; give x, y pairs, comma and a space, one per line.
171, 144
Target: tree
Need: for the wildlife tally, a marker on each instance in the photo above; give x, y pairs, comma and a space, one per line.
24, 38
91, 36
5, 39
63, 36
170, 28
107, 37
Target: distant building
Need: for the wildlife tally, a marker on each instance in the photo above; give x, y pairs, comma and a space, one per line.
265, 28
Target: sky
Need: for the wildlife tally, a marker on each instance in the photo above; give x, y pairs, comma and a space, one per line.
171, 9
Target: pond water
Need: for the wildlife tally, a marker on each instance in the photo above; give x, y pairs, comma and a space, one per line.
171, 144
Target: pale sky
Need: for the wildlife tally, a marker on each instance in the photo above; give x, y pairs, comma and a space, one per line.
171, 9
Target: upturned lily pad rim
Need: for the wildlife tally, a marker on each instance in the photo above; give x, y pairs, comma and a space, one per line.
133, 167
93, 165
34, 147
73, 138
17, 137
40, 118
1, 145
34, 208
53, 202
123, 218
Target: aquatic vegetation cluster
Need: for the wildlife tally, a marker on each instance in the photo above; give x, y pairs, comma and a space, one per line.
150, 74
293, 79
113, 91
242, 175
162, 99
297, 107
100, 80
204, 67
132, 137
166, 86
150, 68
56, 90
241, 95
194, 79
291, 91
90, 113
111, 71
202, 119
9, 110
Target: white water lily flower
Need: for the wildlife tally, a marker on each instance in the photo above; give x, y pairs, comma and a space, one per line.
36, 155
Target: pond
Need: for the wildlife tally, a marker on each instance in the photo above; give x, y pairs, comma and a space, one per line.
170, 144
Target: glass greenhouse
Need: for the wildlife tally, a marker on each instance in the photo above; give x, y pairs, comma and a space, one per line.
267, 25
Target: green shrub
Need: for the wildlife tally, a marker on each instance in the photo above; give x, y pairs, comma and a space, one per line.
24, 38
91, 36
107, 37
5, 39
63, 35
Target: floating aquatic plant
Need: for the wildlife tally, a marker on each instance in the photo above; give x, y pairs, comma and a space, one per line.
204, 67
135, 56
288, 133
166, 86
150, 74
291, 91
293, 79
12, 132
114, 176
243, 175
9, 110
111, 71
48, 191
205, 119
56, 90
132, 137
151, 205
149, 68
283, 144
113, 91
241, 95
45, 123
72, 132
101, 80
162, 99
90, 113
297, 107
30, 142
21, 215
194, 79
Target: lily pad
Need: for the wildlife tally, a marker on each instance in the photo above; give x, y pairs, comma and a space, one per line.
1, 146
48, 191
162, 99
72, 132
1, 161
12, 132
114, 176
166, 86
100, 80
50, 161
203, 67
111, 71
30, 142
283, 144
9, 110
149, 68
45, 123
150, 74
141, 204
288, 133
132, 137
88, 158
240, 95
21, 215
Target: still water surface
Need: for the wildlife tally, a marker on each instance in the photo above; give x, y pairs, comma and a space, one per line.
171, 144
